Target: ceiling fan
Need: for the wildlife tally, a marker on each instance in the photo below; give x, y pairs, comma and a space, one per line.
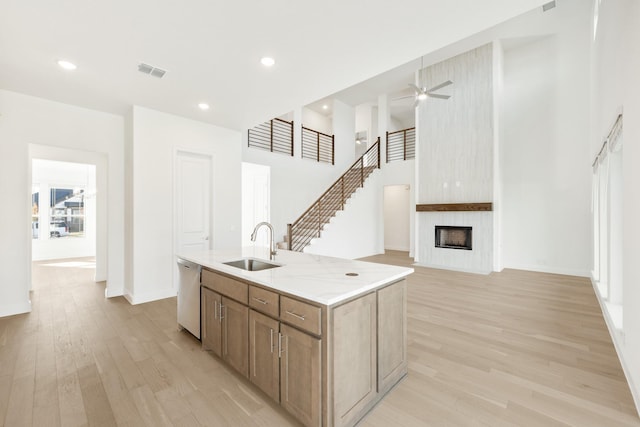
421, 92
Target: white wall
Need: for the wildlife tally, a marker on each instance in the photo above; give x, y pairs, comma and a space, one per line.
545, 165
28, 120
156, 138
353, 232
316, 121
615, 69
48, 174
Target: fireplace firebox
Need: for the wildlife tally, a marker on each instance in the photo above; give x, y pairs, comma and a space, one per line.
453, 237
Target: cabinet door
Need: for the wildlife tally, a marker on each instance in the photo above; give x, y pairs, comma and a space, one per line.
392, 335
300, 375
211, 322
264, 364
354, 359
235, 335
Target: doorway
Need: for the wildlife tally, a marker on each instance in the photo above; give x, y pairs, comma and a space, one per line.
396, 218
67, 170
256, 202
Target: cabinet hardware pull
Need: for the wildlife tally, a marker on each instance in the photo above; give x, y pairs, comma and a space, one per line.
222, 307
299, 316
260, 300
271, 337
215, 309
280, 350
225, 334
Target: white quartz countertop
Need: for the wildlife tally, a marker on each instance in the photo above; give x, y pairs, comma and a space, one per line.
317, 278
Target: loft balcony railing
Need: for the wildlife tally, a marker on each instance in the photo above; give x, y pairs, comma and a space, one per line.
318, 146
401, 145
276, 136
309, 225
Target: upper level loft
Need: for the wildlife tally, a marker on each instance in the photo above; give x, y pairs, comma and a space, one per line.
313, 135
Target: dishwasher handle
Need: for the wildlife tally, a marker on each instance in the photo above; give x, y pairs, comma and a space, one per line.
188, 264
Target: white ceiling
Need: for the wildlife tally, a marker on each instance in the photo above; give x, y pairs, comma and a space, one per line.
211, 50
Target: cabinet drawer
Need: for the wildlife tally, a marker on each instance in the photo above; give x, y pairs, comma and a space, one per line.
264, 301
301, 314
226, 286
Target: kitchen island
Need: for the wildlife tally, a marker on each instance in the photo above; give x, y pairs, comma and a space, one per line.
325, 337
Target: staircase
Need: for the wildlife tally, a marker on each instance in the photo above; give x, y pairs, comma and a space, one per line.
312, 221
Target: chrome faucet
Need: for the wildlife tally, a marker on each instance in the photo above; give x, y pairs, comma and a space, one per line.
272, 245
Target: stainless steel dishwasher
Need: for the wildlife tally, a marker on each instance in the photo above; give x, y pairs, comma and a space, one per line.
189, 296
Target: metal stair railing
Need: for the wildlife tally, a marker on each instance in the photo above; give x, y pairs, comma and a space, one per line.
309, 225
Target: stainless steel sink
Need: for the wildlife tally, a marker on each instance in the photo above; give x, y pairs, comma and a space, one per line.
250, 264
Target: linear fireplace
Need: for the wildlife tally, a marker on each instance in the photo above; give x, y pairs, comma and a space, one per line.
453, 237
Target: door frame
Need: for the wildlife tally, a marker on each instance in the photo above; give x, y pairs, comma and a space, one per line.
177, 150
100, 161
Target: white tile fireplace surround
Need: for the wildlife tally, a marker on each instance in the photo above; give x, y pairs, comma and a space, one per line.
477, 260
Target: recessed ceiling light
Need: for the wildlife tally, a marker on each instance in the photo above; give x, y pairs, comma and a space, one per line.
67, 65
203, 106
325, 106
267, 61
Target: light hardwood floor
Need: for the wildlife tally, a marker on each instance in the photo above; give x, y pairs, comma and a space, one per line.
514, 348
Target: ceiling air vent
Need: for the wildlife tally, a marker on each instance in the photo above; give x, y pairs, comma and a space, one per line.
548, 6
151, 70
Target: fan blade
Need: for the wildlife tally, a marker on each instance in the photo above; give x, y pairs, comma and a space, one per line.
440, 86
416, 88
403, 97
435, 95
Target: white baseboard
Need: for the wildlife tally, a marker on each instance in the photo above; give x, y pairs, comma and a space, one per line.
135, 299
551, 270
617, 336
447, 267
13, 309
397, 248
111, 291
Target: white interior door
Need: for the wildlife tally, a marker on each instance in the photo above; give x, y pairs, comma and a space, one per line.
193, 201
255, 202
396, 217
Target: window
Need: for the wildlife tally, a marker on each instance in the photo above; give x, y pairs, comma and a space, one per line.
66, 214
35, 203
608, 223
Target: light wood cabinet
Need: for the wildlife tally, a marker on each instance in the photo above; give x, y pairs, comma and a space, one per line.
300, 375
235, 335
301, 315
326, 365
354, 359
264, 360
211, 322
225, 329
287, 365
392, 335
264, 301
227, 286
